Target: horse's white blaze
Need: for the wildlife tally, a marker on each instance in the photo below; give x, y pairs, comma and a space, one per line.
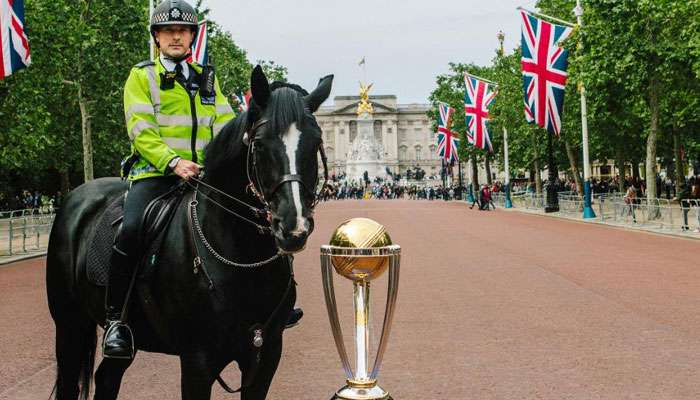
291, 143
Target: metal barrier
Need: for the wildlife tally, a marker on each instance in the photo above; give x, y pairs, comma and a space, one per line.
47, 209
657, 214
24, 231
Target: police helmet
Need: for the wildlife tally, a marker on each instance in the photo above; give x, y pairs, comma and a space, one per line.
173, 12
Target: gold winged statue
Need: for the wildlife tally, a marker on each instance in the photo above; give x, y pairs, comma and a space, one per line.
365, 106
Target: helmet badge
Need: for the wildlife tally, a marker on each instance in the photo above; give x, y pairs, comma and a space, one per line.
175, 13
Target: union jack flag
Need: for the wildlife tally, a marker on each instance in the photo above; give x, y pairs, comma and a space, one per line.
244, 101
447, 140
15, 45
200, 53
477, 100
544, 66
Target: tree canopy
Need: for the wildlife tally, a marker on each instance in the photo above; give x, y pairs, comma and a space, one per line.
639, 63
82, 52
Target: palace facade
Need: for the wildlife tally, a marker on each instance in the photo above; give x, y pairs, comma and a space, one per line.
403, 130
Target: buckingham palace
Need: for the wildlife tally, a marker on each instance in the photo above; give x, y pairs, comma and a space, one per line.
402, 131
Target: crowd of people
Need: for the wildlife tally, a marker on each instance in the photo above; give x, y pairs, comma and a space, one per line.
388, 190
31, 200
483, 198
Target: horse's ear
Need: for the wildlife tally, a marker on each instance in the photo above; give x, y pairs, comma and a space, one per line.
259, 87
320, 94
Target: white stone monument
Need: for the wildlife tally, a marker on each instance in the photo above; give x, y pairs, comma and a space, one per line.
365, 155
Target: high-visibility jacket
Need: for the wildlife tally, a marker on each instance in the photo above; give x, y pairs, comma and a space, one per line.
164, 123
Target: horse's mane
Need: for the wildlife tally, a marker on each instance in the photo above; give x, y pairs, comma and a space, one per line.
286, 106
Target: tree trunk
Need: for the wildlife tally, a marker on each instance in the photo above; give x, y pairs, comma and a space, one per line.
475, 174
650, 167
536, 164
635, 169
538, 177
680, 176
65, 181
573, 164
620, 164
487, 165
87, 136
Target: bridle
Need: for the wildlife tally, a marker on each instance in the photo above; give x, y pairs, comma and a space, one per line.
255, 185
256, 189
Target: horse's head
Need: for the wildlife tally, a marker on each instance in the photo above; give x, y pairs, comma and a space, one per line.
283, 146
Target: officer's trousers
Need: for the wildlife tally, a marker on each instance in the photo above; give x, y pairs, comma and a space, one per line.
141, 193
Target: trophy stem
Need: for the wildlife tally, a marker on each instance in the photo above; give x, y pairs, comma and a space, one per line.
361, 303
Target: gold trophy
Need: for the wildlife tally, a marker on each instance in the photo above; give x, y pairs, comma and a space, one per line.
360, 250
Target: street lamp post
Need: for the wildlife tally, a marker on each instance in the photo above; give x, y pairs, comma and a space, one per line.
552, 201
587, 204
509, 203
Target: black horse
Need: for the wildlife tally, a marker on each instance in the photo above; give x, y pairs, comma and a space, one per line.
266, 158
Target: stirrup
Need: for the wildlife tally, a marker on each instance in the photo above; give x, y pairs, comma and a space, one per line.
118, 330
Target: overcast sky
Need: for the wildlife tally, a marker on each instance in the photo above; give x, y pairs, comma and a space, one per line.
407, 43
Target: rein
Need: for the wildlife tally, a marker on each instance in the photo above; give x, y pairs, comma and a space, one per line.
256, 188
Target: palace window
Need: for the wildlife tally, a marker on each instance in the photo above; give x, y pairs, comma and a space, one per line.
353, 130
419, 153
403, 153
330, 153
433, 152
378, 131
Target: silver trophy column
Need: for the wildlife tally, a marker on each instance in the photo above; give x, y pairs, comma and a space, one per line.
361, 265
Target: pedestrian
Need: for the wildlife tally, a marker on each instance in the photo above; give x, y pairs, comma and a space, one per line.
684, 200
475, 199
629, 199
695, 195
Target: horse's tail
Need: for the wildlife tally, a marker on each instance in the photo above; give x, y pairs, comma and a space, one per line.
76, 341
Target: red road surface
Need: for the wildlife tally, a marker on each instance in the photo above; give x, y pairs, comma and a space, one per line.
492, 305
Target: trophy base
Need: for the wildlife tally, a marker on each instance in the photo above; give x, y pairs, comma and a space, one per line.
352, 393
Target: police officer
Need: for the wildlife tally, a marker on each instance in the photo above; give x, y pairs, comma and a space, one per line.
173, 109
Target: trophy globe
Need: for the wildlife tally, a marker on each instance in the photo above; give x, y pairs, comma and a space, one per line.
360, 233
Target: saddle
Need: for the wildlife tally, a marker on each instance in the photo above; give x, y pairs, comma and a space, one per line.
156, 219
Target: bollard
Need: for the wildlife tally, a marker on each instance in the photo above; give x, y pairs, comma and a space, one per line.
11, 235
24, 235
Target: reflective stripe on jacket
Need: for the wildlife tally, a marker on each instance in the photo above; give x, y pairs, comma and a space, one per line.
160, 123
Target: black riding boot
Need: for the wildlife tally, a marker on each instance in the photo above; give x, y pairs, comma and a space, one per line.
294, 317
118, 340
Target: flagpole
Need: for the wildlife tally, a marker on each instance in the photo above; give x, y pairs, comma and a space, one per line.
151, 43
587, 207
537, 14
509, 202
481, 79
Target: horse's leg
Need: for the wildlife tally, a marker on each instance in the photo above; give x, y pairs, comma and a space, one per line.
198, 373
76, 338
263, 377
108, 378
